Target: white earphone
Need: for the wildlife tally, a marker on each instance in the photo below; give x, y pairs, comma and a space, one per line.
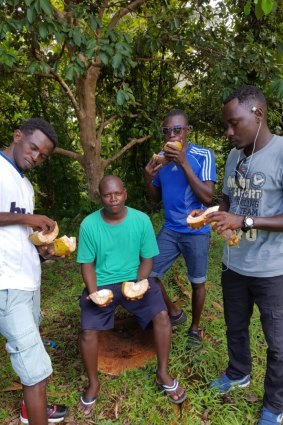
254, 109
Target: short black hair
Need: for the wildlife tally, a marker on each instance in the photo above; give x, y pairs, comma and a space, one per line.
32, 124
178, 112
110, 177
247, 94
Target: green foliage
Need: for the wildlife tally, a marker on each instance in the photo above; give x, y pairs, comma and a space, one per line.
262, 7
172, 54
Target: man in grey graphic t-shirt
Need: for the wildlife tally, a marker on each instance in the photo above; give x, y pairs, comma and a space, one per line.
253, 272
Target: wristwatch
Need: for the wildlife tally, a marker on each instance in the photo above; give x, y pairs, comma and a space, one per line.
248, 223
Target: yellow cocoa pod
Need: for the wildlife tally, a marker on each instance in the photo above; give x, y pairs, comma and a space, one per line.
63, 246
39, 238
175, 144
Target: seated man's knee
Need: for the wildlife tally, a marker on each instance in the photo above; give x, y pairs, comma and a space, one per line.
87, 336
162, 318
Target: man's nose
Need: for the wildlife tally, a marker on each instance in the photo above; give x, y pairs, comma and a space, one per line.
229, 132
35, 156
171, 132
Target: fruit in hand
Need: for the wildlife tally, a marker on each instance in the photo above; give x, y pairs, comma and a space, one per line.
197, 222
135, 290
173, 144
102, 297
63, 246
39, 238
59, 247
160, 157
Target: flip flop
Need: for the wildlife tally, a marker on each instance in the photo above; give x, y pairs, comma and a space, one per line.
88, 401
179, 319
172, 389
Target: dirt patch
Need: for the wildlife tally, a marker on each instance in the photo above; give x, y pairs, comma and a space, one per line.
125, 347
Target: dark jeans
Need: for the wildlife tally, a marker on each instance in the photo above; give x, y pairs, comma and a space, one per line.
239, 295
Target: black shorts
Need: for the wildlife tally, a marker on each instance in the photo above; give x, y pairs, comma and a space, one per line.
102, 318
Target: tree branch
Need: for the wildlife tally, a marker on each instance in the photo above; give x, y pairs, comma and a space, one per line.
59, 15
125, 148
102, 10
67, 90
78, 157
122, 12
104, 123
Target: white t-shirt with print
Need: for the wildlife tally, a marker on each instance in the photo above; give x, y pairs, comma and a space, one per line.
19, 260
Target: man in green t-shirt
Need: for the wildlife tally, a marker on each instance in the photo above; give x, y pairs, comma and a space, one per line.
117, 244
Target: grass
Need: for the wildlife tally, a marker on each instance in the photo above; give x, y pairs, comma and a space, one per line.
132, 398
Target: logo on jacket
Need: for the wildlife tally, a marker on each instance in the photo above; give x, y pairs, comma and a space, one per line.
17, 210
258, 180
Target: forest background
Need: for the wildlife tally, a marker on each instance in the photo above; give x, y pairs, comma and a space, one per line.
106, 72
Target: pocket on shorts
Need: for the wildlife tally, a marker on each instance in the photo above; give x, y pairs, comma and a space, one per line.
22, 343
29, 358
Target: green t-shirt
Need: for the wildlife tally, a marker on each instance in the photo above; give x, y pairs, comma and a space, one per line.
116, 250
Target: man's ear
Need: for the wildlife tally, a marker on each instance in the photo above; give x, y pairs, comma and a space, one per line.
258, 114
17, 136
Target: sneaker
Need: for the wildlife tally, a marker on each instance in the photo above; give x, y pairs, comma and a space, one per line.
55, 413
224, 384
195, 339
179, 319
268, 418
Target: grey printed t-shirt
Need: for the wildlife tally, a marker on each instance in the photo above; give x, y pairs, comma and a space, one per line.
256, 189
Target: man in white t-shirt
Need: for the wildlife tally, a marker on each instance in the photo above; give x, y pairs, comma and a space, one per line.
20, 271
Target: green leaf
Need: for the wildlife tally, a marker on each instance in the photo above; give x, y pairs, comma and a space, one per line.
247, 8
90, 46
112, 35
94, 22
258, 11
59, 36
45, 67
30, 14
276, 88
108, 49
116, 61
46, 7
177, 22
33, 67
42, 30
120, 98
7, 59
69, 72
103, 57
267, 6
179, 47
77, 37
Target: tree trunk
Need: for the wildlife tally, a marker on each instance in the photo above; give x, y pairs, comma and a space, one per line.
93, 164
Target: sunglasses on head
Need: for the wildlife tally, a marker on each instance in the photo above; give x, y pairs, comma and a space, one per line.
176, 129
240, 177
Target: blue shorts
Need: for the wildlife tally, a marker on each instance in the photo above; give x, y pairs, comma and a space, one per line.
194, 249
19, 321
102, 318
